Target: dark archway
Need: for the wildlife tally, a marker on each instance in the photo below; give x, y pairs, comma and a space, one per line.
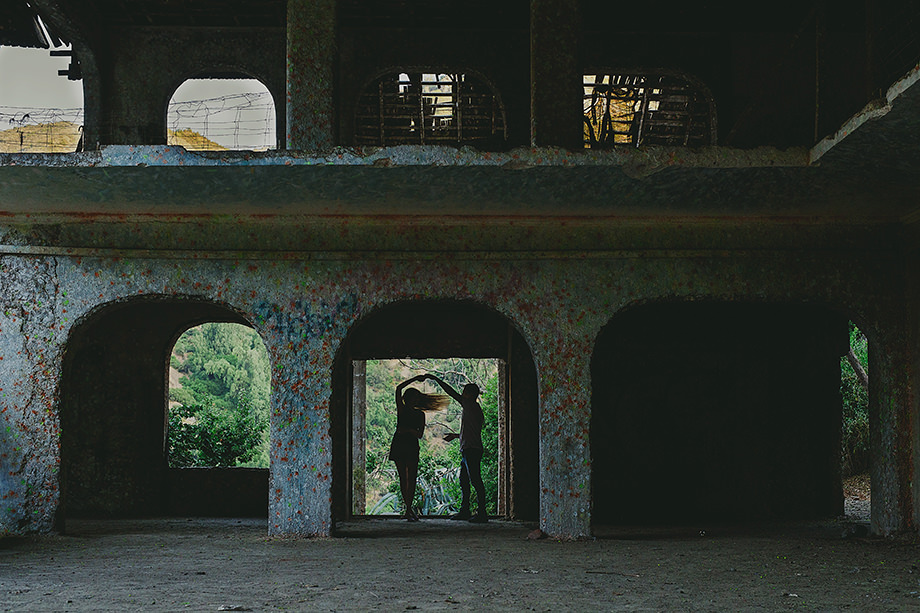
113, 418
442, 329
717, 411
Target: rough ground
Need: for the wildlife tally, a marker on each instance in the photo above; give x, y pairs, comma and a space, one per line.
222, 564
387, 564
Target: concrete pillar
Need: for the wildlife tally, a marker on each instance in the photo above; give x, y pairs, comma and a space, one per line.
310, 74
913, 314
565, 454
556, 115
359, 438
30, 365
892, 432
300, 475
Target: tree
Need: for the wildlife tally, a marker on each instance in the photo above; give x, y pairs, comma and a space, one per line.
219, 415
855, 395
208, 436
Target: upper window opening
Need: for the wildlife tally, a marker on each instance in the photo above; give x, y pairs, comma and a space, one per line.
646, 109
221, 114
430, 108
41, 101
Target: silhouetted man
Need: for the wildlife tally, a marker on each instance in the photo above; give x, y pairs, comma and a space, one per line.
470, 449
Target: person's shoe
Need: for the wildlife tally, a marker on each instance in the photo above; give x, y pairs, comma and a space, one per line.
464, 515
479, 518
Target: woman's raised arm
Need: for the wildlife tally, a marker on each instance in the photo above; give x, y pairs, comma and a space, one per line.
399, 388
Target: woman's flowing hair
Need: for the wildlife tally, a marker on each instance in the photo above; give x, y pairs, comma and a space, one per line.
426, 402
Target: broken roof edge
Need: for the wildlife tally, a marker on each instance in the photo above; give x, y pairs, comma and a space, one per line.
875, 109
635, 162
30, 28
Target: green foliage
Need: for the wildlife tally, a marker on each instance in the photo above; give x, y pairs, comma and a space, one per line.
208, 436
855, 430
438, 489
219, 415
489, 402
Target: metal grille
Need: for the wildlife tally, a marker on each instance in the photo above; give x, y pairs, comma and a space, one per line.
428, 108
646, 109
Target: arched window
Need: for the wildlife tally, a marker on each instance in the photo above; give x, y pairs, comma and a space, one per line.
221, 114
219, 387
636, 108
425, 107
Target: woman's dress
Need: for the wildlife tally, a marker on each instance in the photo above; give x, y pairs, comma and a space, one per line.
404, 447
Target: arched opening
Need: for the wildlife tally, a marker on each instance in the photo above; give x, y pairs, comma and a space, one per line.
234, 112
717, 412
114, 420
217, 421
430, 107
441, 330
41, 91
219, 390
645, 108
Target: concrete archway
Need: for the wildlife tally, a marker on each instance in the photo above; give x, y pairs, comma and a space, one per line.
441, 329
113, 415
717, 411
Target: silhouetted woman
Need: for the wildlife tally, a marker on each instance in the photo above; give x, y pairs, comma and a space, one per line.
410, 425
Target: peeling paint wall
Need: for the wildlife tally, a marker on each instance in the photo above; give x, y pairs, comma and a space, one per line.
32, 332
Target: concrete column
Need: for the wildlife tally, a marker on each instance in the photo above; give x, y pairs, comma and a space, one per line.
565, 454
300, 481
892, 429
359, 438
30, 366
913, 342
310, 74
556, 115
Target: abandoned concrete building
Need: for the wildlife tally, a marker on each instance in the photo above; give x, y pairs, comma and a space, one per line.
659, 217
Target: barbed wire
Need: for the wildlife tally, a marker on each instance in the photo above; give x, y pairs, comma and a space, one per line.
243, 121
236, 121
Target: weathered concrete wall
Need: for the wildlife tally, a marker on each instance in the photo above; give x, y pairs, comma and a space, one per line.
149, 64
304, 308
310, 56
32, 333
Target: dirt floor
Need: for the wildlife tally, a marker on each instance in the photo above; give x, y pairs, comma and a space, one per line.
436, 564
